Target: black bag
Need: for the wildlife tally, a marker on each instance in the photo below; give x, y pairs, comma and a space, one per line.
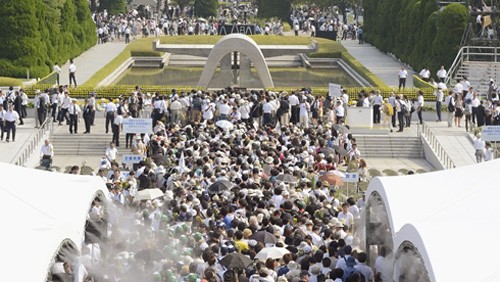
451, 108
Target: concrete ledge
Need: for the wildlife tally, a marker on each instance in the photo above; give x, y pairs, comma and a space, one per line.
430, 156
114, 75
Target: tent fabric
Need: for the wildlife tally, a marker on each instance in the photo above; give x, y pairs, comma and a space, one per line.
39, 211
451, 217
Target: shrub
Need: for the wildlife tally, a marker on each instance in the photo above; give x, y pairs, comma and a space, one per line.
274, 8
205, 8
415, 31
9, 81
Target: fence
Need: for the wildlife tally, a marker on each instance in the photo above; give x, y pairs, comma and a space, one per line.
436, 147
32, 143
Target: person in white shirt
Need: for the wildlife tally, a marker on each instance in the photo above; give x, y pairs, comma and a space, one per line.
175, 110
267, 113
111, 152
442, 73
235, 116
10, 118
74, 111
345, 216
304, 109
208, 111
339, 112
479, 146
224, 110
489, 153
293, 100
377, 103
46, 154
117, 123
24, 103
66, 103
110, 111
420, 106
72, 72
439, 100
403, 74
449, 101
425, 74
2, 120
244, 111
57, 70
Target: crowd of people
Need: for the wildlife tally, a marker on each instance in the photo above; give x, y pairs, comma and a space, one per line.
245, 197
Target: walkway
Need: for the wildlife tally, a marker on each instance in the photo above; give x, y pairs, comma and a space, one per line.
92, 60
378, 62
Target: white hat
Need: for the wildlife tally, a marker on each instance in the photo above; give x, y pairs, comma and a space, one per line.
307, 249
269, 160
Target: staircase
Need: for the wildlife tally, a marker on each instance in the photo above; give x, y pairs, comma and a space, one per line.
93, 144
479, 74
388, 146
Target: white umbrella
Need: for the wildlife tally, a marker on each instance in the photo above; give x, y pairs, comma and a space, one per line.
271, 252
336, 172
148, 194
225, 124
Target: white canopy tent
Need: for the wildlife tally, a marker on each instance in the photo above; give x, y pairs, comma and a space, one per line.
449, 216
39, 211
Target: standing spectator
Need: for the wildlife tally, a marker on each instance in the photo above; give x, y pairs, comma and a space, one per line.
442, 73
66, 103
403, 74
400, 113
420, 106
111, 152
117, 124
2, 121
439, 100
388, 111
10, 119
87, 116
24, 103
304, 113
57, 70
72, 72
425, 74
489, 153
18, 105
392, 101
91, 103
360, 35
54, 104
479, 146
110, 114
450, 105
377, 103
74, 111
459, 110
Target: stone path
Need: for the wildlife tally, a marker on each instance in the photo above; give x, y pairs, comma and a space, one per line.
378, 62
91, 61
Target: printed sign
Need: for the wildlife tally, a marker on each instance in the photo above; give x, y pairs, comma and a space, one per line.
351, 177
138, 125
334, 90
491, 133
132, 159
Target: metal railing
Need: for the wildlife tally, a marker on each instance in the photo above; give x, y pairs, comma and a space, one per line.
32, 143
475, 54
427, 134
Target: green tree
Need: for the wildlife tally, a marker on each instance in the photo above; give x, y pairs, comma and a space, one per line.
274, 8
205, 8
113, 6
182, 5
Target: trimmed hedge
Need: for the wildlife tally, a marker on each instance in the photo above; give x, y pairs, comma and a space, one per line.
419, 83
114, 91
9, 81
416, 31
36, 34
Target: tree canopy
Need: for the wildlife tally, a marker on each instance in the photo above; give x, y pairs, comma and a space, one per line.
36, 34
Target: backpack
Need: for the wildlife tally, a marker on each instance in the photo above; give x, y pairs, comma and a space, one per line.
42, 103
404, 108
451, 108
389, 109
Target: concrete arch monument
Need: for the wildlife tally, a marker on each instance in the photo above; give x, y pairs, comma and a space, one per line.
236, 43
